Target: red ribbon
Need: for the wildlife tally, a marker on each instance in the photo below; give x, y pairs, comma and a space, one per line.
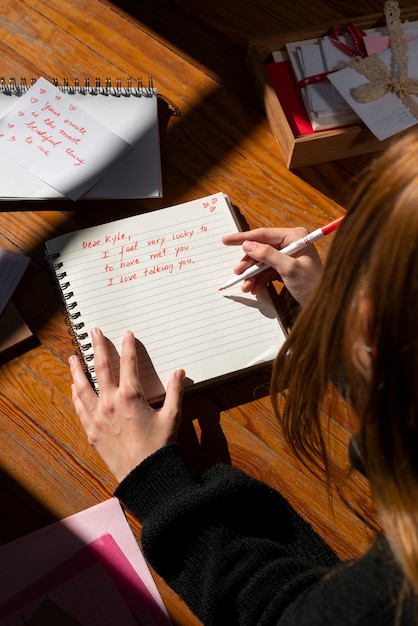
358, 49
316, 78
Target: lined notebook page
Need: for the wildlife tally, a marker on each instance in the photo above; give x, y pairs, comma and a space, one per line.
158, 274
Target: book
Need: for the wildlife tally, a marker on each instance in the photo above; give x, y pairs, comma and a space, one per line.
283, 82
96, 585
330, 117
13, 329
12, 268
158, 274
15, 334
129, 111
85, 569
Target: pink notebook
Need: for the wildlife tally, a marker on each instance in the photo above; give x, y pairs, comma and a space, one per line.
96, 585
92, 555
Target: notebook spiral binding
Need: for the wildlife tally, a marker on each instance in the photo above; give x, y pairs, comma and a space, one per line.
75, 328
133, 87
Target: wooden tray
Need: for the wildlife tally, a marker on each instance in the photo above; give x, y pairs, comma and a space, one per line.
317, 147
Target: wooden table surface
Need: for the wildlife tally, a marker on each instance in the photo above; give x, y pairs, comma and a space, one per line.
219, 141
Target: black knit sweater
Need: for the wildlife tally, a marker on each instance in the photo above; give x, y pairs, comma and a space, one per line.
238, 554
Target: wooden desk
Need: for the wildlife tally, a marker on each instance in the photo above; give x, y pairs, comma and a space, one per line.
221, 141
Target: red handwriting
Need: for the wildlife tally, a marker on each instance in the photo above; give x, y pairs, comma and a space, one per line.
48, 107
50, 123
69, 137
156, 242
183, 234
158, 269
80, 129
77, 159
184, 262
72, 133
211, 205
119, 236
127, 259
128, 278
123, 279
128, 263
126, 249
179, 249
43, 134
159, 254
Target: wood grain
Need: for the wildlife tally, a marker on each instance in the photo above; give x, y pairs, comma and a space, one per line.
219, 141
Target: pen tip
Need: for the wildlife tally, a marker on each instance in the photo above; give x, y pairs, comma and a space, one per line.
221, 288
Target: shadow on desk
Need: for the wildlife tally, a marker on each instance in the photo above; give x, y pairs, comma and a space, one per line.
22, 514
201, 437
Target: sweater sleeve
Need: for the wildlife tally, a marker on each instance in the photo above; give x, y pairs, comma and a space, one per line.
229, 545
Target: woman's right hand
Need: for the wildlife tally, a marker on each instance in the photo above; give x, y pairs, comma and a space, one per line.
300, 272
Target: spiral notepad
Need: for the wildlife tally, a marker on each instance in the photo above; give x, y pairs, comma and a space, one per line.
128, 110
157, 274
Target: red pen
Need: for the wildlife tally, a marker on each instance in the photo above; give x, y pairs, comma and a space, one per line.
293, 247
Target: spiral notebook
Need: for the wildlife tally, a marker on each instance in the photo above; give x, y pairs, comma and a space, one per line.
130, 111
158, 274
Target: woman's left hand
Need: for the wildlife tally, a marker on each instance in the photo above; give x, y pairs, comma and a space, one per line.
120, 424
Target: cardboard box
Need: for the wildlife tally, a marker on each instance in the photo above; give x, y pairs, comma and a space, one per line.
321, 146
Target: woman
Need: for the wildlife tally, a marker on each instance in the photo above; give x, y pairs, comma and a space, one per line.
233, 566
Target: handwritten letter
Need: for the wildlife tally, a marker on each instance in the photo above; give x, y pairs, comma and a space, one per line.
53, 137
158, 274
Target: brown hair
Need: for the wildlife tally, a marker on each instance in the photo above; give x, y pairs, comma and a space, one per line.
374, 256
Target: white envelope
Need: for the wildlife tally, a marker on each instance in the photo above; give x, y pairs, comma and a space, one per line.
388, 115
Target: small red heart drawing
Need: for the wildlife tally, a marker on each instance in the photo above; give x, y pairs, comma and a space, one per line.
1, 134
12, 138
10, 125
33, 100
21, 113
57, 97
72, 107
42, 90
206, 204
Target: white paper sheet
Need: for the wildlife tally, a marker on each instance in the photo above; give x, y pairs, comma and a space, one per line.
133, 115
388, 115
53, 137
